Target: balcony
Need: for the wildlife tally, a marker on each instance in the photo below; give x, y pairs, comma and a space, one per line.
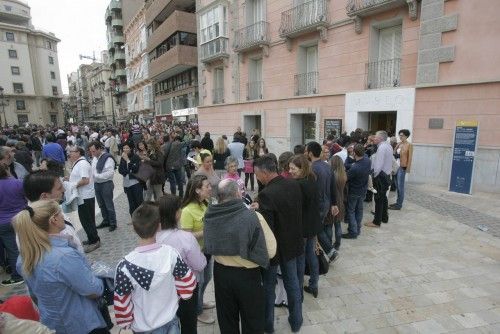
358, 9
305, 18
115, 5
119, 55
178, 21
306, 83
118, 39
217, 95
383, 73
214, 50
117, 22
254, 90
174, 61
252, 37
120, 72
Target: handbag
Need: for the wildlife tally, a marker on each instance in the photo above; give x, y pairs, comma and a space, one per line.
145, 172
248, 166
323, 264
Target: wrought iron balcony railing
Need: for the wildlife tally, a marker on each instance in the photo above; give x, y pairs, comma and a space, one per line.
383, 73
254, 35
304, 18
306, 83
254, 90
217, 95
214, 50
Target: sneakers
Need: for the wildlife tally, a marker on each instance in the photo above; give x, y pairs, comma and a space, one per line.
394, 207
91, 247
12, 281
206, 318
349, 236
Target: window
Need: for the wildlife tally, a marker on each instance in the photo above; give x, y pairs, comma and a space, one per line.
177, 82
255, 11
177, 38
18, 88
213, 24
52, 74
20, 105
255, 79
384, 71
12, 54
51, 60
218, 91
54, 91
53, 119
49, 45
22, 119
9, 36
15, 70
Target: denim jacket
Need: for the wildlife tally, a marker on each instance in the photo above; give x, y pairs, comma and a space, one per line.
61, 281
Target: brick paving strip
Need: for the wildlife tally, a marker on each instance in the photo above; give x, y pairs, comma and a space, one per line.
458, 212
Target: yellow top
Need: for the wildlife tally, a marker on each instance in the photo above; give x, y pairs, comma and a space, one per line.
192, 218
238, 261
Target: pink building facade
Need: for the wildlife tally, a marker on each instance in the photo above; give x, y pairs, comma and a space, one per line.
295, 69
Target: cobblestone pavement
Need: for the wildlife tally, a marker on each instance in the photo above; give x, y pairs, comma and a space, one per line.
429, 270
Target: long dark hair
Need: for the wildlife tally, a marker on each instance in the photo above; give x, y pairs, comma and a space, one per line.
304, 165
169, 205
196, 182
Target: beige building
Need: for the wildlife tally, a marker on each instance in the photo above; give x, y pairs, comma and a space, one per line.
297, 69
30, 78
172, 52
140, 89
116, 40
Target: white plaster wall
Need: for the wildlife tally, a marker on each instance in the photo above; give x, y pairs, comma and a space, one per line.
401, 100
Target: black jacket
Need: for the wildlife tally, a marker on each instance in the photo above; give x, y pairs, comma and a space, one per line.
207, 143
280, 202
156, 161
172, 152
357, 177
311, 221
131, 168
220, 159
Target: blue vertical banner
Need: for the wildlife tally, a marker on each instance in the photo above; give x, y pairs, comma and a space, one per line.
463, 156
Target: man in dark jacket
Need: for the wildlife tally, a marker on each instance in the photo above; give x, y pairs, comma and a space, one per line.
280, 203
172, 150
357, 179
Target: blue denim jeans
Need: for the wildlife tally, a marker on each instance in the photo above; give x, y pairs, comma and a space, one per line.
312, 262
400, 179
203, 281
291, 280
355, 212
8, 238
325, 238
104, 197
175, 178
171, 327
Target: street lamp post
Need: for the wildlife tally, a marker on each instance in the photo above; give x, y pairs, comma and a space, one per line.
2, 99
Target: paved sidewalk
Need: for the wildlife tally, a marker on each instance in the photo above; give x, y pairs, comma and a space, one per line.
426, 271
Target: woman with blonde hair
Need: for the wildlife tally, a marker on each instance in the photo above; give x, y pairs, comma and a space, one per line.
56, 272
221, 152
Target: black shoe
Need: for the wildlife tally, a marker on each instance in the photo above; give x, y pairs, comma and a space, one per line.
372, 212
112, 228
312, 291
333, 256
103, 225
385, 222
86, 242
12, 281
349, 236
394, 208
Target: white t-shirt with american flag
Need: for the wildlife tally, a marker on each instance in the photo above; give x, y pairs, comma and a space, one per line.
148, 284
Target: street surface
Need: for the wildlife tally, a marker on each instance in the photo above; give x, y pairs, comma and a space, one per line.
429, 270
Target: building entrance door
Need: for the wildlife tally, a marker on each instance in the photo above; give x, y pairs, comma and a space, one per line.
382, 121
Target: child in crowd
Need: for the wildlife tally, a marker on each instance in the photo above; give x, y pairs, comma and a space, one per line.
150, 279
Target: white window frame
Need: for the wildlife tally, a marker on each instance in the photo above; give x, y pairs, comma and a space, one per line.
209, 20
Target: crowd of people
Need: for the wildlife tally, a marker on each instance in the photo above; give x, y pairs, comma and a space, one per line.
257, 243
